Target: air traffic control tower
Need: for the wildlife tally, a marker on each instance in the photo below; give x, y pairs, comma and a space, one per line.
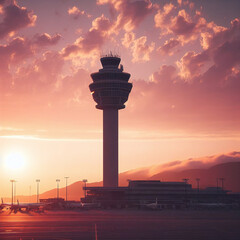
110, 90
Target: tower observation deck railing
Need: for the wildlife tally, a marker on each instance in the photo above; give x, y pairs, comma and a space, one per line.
110, 87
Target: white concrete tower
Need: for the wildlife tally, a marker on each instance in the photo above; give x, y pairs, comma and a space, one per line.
110, 90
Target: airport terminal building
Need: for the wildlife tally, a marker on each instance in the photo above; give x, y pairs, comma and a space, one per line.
174, 195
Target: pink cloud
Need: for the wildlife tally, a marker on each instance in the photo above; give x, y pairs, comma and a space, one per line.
77, 13
164, 16
191, 64
13, 53
39, 77
169, 47
140, 49
129, 13
220, 34
45, 39
201, 93
93, 39
220, 52
39, 89
15, 18
180, 24
18, 51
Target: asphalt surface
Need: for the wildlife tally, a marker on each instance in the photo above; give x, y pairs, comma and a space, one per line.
122, 224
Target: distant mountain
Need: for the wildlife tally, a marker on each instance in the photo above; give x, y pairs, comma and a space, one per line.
208, 169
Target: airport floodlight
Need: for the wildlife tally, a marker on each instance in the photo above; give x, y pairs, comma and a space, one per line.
222, 180
15, 191
85, 192
30, 189
185, 180
57, 180
198, 180
12, 181
110, 90
66, 186
37, 181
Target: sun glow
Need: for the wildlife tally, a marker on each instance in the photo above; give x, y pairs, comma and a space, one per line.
14, 161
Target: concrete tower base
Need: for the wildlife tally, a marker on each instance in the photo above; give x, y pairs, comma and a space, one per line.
110, 147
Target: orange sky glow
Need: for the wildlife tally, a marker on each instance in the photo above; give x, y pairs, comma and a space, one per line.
184, 61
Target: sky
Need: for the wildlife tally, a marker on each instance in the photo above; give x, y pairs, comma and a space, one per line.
184, 61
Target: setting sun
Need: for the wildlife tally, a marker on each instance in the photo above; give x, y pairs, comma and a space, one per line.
14, 161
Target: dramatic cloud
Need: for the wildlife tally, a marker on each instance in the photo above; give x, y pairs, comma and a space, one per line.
191, 64
45, 39
221, 35
140, 50
164, 16
129, 13
202, 91
15, 18
182, 24
40, 89
40, 77
169, 47
17, 51
179, 23
77, 13
93, 39
221, 50
206, 100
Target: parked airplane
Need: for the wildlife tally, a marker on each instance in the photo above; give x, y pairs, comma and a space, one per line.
89, 205
213, 205
154, 206
73, 205
81, 205
19, 207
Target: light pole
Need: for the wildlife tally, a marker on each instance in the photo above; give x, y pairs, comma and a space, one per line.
198, 180
57, 180
29, 194
186, 182
85, 181
37, 181
66, 187
12, 181
15, 191
222, 180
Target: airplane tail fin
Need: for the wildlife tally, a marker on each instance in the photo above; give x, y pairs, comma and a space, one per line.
18, 202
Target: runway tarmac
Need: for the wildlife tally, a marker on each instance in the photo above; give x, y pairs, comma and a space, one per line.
121, 225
